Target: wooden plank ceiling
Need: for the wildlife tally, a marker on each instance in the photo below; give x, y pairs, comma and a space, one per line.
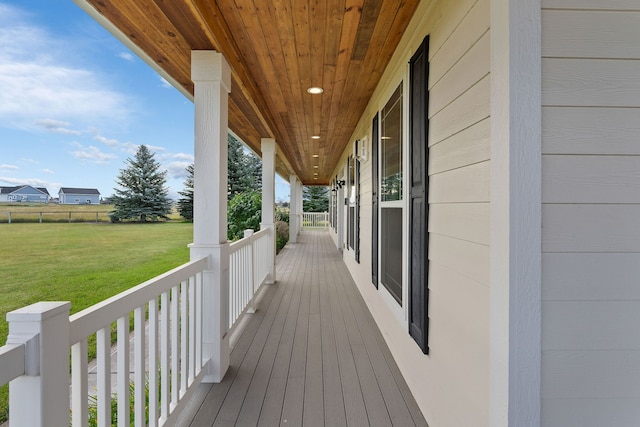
277, 49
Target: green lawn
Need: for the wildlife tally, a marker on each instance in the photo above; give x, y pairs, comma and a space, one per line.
82, 263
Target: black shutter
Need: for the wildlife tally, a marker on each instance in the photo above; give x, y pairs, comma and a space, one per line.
419, 206
374, 203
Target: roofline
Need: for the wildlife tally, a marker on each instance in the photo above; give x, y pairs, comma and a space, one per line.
92, 12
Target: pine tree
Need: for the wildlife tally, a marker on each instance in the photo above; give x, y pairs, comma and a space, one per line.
143, 194
315, 199
185, 203
244, 170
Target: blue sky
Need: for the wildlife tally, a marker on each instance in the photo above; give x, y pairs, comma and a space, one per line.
75, 103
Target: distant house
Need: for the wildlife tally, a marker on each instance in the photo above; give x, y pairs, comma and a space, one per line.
79, 196
24, 193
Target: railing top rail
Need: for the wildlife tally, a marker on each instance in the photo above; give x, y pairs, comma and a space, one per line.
102, 314
238, 244
11, 362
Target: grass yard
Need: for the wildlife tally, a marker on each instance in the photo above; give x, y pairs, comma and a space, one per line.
33, 212
82, 262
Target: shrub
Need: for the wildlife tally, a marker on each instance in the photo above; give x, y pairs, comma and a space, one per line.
244, 212
282, 235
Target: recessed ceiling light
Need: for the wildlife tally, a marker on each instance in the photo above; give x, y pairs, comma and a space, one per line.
315, 177
315, 137
315, 90
316, 167
316, 155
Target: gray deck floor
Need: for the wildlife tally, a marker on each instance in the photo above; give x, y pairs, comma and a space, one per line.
311, 355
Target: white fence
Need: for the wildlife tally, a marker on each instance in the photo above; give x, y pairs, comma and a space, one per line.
315, 220
167, 360
250, 261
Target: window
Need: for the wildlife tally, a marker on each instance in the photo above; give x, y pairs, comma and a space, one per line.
391, 206
353, 199
391, 140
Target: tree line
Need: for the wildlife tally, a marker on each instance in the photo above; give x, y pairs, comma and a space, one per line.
142, 195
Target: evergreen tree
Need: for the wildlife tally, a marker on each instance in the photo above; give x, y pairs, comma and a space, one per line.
143, 194
244, 170
315, 199
185, 203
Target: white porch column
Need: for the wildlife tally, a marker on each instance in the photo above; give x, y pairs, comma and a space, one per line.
269, 197
293, 209
300, 208
516, 214
41, 396
211, 76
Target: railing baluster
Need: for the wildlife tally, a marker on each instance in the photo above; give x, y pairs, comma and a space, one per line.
123, 370
153, 363
139, 369
175, 351
184, 335
164, 355
192, 329
199, 321
103, 366
79, 384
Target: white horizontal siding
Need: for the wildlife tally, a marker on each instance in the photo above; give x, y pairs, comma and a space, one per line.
591, 130
591, 228
585, 34
591, 213
591, 276
623, 412
451, 384
591, 179
591, 82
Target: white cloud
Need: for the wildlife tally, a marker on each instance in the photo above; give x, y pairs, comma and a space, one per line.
126, 56
36, 182
38, 80
184, 156
48, 171
92, 154
9, 167
106, 141
57, 126
177, 170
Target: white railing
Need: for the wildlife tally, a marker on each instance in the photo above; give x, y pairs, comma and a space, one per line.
250, 261
12, 362
315, 220
167, 354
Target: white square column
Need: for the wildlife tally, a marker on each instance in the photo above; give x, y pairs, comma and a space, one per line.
294, 211
211, 76
269, 149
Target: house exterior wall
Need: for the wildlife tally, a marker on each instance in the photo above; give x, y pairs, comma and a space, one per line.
451, 384
591, 213
79, 199
27, 194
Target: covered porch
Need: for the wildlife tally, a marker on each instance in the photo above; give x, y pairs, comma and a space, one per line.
310, 355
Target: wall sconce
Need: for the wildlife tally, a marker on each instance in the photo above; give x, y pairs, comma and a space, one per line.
340, 183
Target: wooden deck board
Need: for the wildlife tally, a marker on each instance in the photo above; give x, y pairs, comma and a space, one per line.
311, 355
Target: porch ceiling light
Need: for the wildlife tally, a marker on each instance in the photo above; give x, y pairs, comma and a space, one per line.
315, 137
315, 90
316, 166
316, 155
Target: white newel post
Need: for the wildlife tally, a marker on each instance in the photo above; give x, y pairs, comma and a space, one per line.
41, 396
293, 208
211, 76
268, 199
